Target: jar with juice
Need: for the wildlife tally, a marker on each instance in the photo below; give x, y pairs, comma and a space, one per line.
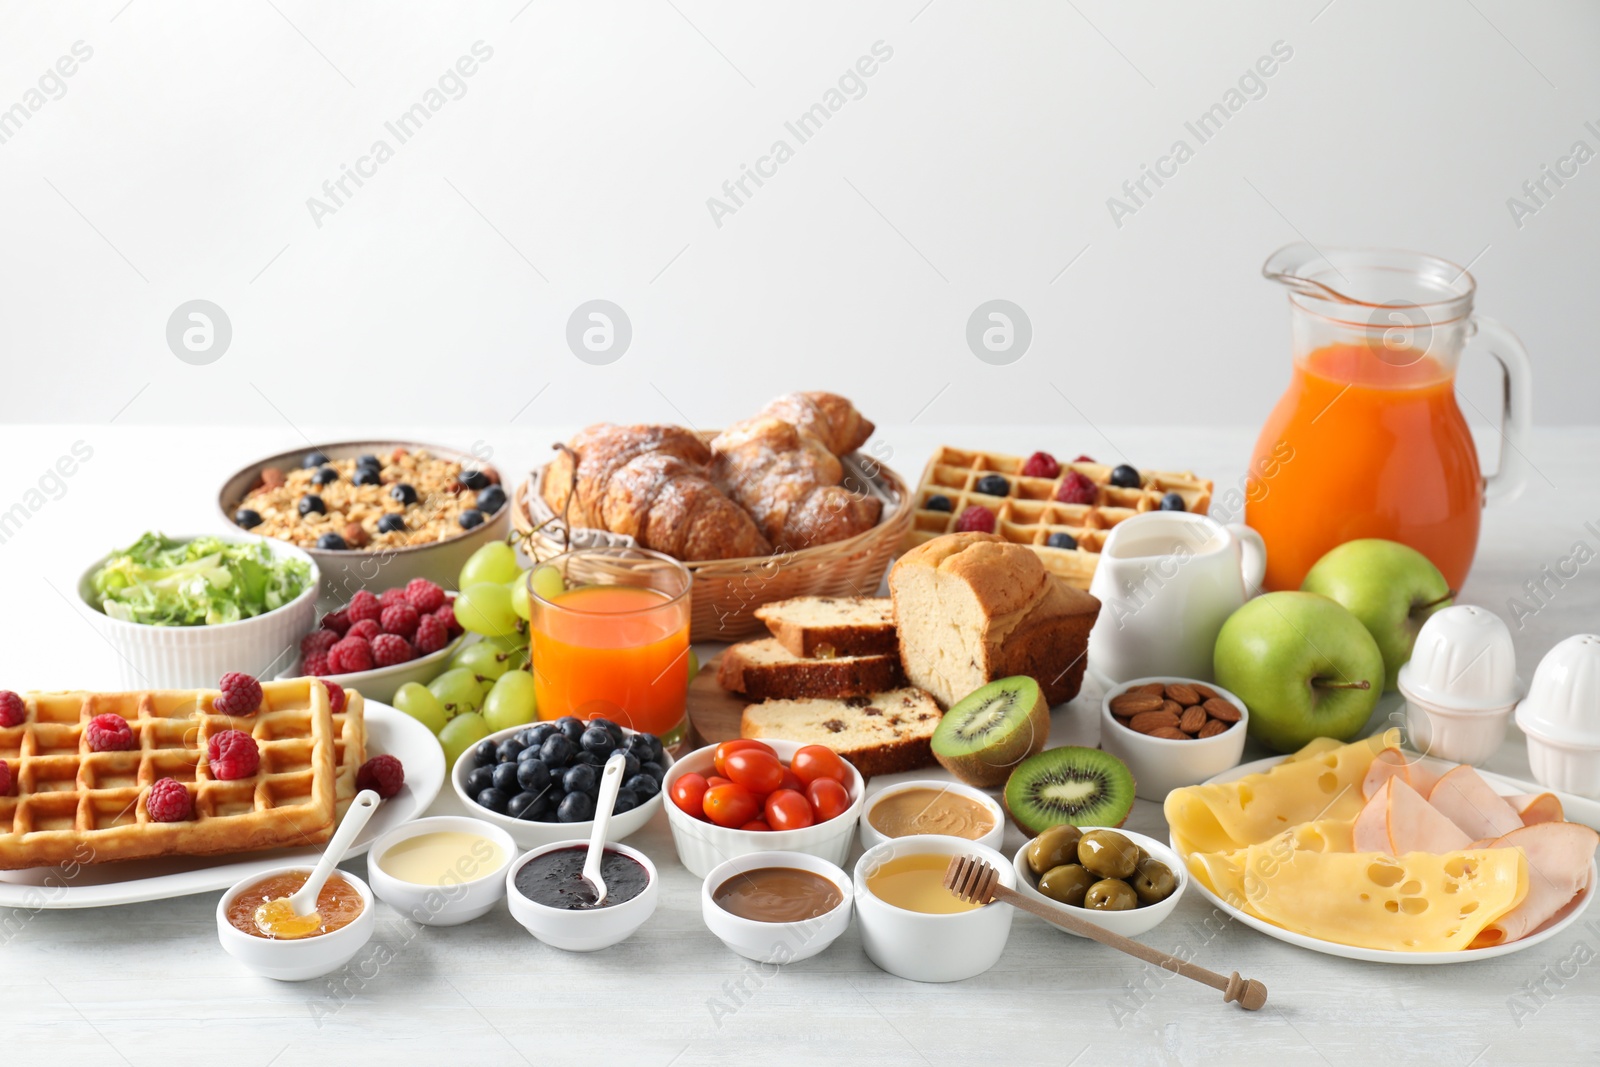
1368, 440
611, 639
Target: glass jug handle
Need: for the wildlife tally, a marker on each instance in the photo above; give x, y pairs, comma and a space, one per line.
1516, 410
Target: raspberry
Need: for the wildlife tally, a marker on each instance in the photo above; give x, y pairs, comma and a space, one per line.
337, 621
400, 619
5, 778
232, 754
1041, 465
432, 634
389, 649
364, 606
241, 695
1077, 488
366, 629
316, 665
447, 615
335, 695
1084, 459
350, 655
169, 801
975, 519
424, 595
12, 709
381, 774
317, 641
391, 597
110, 733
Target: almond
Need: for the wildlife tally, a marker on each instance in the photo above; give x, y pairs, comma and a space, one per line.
1172, 707
1148, 722
271, 478
1192, 719
1214, 727
1170, 733
355, 535
1221, 710
1149, 687
1132, 703
1205, 691
1182, 694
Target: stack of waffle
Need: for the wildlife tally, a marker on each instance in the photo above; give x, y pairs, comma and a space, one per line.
71, 804
1030, 513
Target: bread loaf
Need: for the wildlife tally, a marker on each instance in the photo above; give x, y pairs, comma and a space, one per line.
884, 733
764, 670
973, 607
833, 625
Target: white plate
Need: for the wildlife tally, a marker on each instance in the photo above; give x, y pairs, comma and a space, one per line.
389, 732
1562, 920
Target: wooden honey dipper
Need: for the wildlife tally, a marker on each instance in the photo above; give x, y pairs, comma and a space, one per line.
974, 880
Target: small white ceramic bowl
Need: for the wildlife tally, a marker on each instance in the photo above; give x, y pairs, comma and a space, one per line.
303, 959
530, 834
1159, 764
1459, 735
195, 657
871, 835
702, 845
1561, 717
932, 948
382, 683
586, 930
1127, 923
470, 893
775, 942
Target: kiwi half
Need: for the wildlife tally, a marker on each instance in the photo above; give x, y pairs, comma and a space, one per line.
1081, 786
984, 735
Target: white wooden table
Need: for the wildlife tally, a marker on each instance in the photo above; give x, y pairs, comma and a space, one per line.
148, 984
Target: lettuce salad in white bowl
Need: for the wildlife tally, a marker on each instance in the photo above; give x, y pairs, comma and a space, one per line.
183, 611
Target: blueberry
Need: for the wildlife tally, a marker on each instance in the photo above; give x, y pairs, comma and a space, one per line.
479, 780
627, 800
630, 765
310, 503
470, 518
580, 778
575, 807
639, 745
492, 799
491, 500
314, 458
643, 785
331, 542
589, 758
505, 779
324, 475
993, 485
403, 493
532, 773
506, 751
537, 734
529, 751
474, 480
595, 739
618, 734
485, 753
1173, 502
653, 769
392, 522
247, 518
365, 476
522, 806
556, 750
937, 502
1062, 540
571, 728
1125, 477
370, 462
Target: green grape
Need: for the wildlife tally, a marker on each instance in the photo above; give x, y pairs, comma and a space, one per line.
488, 660
495, 562
418, 701
460, 734
694, 663
511, 702
458, 690
548, 582
520, 601
485, 608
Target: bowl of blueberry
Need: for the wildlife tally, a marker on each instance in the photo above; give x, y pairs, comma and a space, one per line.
539, 782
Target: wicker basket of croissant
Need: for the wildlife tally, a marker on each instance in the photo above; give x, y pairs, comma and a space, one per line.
780, 505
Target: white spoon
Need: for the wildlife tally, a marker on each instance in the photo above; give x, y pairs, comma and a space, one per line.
610, 782
294, 917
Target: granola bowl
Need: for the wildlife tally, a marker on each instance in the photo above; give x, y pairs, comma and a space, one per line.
403, 520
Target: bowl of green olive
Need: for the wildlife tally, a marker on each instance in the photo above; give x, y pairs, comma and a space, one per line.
1117, 879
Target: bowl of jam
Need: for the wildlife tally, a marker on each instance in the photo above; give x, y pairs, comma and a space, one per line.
776, 907
546, 893
345, 924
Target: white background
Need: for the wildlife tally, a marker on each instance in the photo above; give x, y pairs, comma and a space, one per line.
178, 163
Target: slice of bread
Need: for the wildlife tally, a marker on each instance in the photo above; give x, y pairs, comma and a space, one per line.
827, 626
765, 670
884, 733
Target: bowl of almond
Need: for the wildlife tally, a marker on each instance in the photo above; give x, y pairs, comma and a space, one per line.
1172, 732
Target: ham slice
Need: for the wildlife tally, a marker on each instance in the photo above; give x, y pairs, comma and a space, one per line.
1536, 807
1370, 832
1558, 855
1472, 804
1415, 825
1390, 763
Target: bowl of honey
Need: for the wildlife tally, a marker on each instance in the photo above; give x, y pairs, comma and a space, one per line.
345, 908
776, 907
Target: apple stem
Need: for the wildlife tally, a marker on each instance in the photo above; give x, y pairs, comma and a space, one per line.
1449, 594
1320, 684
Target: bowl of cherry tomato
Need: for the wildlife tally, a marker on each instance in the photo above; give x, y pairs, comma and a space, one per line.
746, 796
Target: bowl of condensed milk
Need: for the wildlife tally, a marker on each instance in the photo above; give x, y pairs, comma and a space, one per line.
442, 871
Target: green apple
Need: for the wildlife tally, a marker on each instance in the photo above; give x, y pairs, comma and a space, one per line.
1392, 588
1303, 665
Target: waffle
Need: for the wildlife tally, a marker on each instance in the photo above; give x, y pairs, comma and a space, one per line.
73, 805
1031, 513
349, 748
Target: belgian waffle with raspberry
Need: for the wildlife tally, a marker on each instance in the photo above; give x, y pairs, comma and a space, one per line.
1042, 497
72, 802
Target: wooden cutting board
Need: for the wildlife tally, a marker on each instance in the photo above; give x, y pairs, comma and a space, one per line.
714, 713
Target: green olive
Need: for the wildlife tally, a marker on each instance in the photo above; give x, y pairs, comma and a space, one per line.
1066, 883
1110, 894
1055, 846
1107, 854
1153, 881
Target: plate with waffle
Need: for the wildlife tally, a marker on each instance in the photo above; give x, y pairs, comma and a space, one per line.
1062, 511
76, 826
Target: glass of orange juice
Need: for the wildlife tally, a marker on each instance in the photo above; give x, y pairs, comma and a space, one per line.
613, 640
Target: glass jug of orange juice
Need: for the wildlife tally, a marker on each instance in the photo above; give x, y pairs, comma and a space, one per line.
1368, 440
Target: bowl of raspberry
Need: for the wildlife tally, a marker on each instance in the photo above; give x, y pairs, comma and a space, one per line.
378, 642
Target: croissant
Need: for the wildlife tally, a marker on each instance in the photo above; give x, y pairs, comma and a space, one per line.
827, 416
787, 479
650, 483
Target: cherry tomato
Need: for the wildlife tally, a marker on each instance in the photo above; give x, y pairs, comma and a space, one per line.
715, 780
758, 825
791, 782
720, 757
828, 798
756, 771
689, 794
788, 810
731, 805
815, 761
